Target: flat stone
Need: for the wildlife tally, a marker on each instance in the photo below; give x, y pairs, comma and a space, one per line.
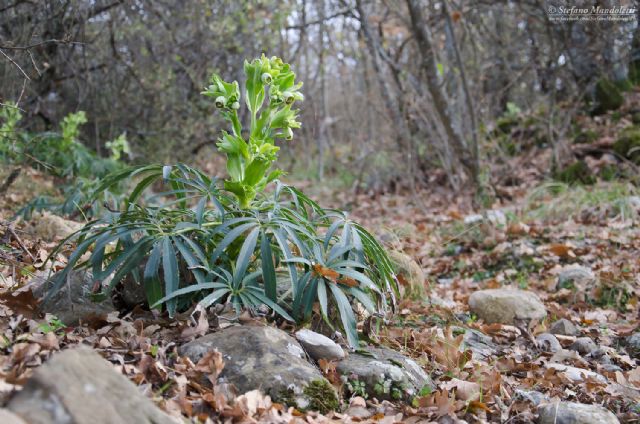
480, 344
385, 373
50, 227
576, 374
564, 327
79, 386
576, 275
358, 412
633, 345
263, 358
574, 413
409, 272
583, 345
548, 343
495, 217
72, 304
532, 396
319, 346
506, 306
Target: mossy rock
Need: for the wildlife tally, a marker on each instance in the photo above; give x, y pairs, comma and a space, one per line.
577, 172
628, 144
607, 96
319, 395
409, 274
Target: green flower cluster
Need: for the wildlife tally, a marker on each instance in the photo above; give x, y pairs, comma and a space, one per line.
250, 157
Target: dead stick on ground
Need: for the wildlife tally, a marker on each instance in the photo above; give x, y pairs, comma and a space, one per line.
10, 179
9, 226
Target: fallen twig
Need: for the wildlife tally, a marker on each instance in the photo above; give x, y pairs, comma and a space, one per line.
9, 226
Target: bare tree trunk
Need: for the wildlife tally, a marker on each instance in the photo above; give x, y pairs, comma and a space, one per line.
423, 39
322, 136
392, 106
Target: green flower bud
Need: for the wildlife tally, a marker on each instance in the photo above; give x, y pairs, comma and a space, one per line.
220, 102
288, 134
288, 97
235, 106
266, 78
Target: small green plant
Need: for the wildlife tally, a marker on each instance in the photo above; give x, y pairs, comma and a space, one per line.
356, 387
9, 116
382, 387
71, 128
250, 158
52, 325
118, 146
389, 387
204, 242
64, 156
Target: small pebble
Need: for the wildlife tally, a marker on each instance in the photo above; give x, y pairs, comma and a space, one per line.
564, 327
583, 345
548, 343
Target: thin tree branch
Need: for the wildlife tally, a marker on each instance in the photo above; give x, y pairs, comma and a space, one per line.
15, 64
346, 12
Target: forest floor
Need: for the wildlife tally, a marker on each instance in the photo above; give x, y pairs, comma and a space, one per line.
577, 248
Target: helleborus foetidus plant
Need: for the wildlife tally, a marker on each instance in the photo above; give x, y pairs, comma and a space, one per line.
239, 244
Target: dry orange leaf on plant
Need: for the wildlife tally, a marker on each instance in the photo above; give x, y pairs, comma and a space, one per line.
347, 281
323, 271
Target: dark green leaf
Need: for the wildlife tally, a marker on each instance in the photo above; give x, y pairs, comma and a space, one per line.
268, 269
170, 272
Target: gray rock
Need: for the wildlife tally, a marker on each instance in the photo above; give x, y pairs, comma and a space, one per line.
79, 386
611, 368
574, 413
480, 344
385, 374
72, 304
564, 327
319, 346
132, 292
576, 374
600, 354
51, 227
575, 276
435, 300
506, 306
532, 396
359, 412
263, 358
8, 417
495, 217
548, 343
409, 273
633, 344
583, 345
